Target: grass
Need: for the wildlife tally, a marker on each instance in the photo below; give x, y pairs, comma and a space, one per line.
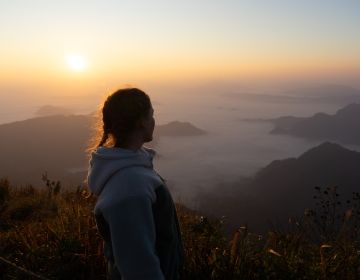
52, 233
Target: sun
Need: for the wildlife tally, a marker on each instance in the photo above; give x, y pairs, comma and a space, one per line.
76, 62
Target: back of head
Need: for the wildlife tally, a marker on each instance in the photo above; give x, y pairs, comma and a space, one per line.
121, 112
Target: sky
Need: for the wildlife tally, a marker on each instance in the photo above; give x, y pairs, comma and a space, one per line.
135, 42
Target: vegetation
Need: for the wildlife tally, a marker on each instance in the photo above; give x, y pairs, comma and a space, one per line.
52, 233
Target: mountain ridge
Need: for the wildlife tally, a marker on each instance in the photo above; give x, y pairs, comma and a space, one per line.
57, 144
285, 187
341, 126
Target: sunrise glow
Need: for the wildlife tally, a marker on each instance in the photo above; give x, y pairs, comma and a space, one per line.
76, 62
77, 48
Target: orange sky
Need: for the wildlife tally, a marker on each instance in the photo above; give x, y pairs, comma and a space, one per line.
136, 42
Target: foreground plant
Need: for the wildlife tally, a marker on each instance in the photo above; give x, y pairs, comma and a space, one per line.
52, 232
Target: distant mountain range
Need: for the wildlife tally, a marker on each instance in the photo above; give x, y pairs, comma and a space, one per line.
284, 188
343, 127
326, 94
177, 128
289, 184
57, 144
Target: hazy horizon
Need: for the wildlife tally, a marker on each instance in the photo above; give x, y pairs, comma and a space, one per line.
88, 48
232, 148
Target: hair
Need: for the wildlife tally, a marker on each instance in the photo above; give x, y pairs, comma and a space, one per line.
120, 114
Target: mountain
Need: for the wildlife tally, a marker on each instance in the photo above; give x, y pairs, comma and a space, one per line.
284, 188
342, 127
289, 183
57, 144
268, 98
53, 143
324, 94
177, 128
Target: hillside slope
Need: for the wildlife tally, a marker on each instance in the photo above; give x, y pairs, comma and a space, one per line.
284, 188
57, 144
342, 126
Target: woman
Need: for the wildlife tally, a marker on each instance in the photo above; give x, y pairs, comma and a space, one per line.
135, 213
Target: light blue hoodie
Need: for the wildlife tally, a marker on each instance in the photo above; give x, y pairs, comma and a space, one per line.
135, 215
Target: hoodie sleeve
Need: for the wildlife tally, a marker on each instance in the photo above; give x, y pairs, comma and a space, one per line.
133, 235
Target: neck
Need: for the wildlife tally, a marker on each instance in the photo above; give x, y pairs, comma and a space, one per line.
134, 144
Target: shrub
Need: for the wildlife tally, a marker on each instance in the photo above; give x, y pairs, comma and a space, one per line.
56, 236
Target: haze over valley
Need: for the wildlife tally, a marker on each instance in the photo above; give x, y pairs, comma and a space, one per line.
206, 144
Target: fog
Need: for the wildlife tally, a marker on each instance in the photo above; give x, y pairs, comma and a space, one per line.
231, 149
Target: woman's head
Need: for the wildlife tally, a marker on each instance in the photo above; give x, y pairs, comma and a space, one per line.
127, 114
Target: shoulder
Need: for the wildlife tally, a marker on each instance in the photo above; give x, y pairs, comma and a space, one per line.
136, 181
150, 151
138, 175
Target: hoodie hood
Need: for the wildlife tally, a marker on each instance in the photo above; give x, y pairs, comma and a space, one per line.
105, 162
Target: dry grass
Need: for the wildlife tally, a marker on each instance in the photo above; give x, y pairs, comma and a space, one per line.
53, 234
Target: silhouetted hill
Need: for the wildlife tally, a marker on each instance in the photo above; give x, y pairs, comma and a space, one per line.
285, 188
290, 183
285, 123
177, 128
52, 143
324, 94
342, 127
57, 144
